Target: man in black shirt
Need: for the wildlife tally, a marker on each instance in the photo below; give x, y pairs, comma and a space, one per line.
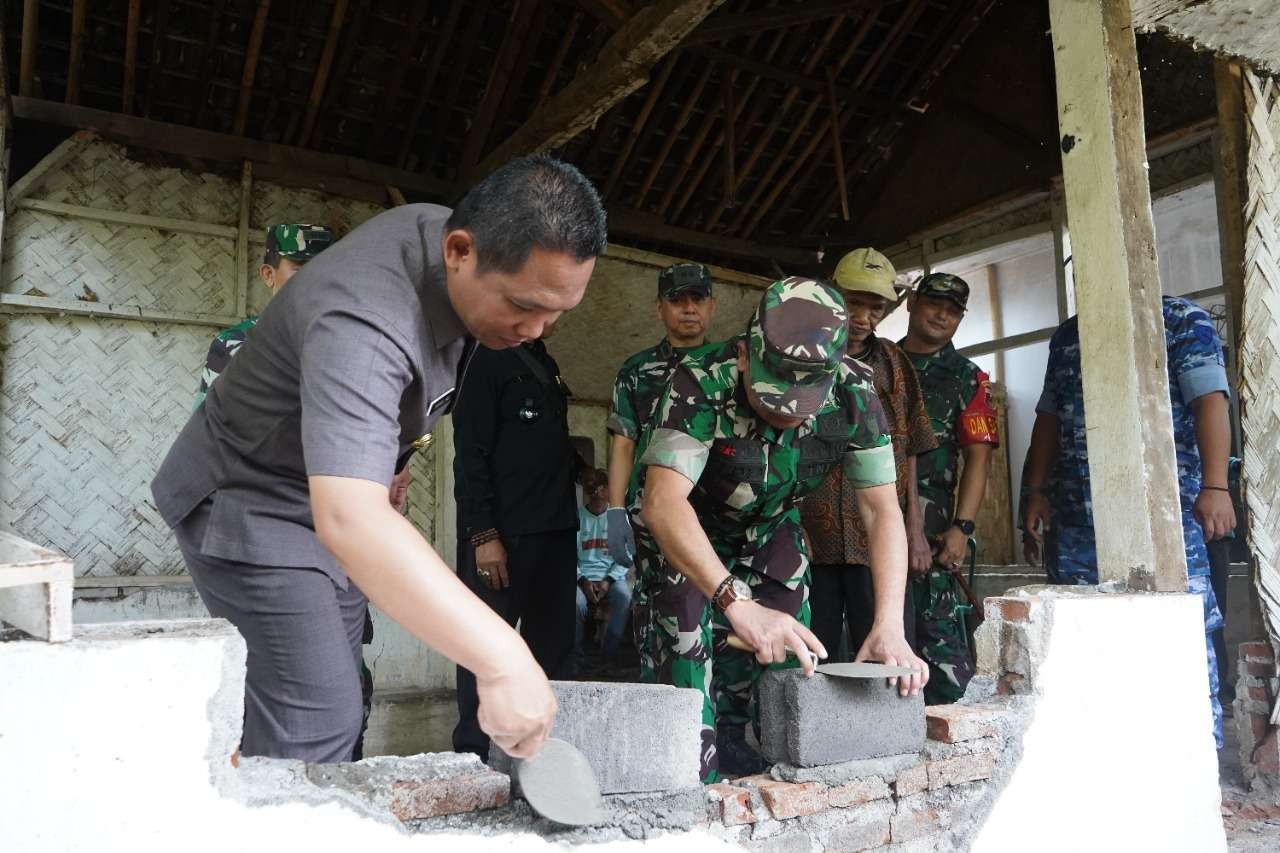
517, 513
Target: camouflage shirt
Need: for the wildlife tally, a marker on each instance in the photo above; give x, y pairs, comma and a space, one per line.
748, 476
222, 349
957, 397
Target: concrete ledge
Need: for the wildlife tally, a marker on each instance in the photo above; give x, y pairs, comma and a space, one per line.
422, 786
638, 737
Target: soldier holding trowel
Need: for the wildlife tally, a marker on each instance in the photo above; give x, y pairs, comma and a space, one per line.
743, 433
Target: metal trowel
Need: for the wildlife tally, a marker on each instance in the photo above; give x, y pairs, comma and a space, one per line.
864, 669
560, 785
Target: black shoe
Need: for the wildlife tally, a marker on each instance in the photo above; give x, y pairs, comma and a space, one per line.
736, 756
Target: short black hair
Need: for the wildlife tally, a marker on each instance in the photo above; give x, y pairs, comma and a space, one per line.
535, 200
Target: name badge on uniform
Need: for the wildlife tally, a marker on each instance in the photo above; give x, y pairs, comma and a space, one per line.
440, 404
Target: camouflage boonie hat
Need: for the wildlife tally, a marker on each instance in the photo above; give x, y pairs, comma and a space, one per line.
796, 341
297, 242
945, 286
682, 278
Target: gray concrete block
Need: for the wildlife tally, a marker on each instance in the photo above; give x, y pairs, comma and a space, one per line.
827, 720
638, 737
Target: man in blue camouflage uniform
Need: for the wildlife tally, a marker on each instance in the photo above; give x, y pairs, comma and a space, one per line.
1057, 513
685, 307
743, 432
289, 246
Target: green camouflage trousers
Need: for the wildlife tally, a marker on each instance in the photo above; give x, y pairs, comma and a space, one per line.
682, 637
941, 635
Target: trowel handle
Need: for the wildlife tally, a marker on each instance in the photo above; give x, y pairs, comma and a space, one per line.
733, 641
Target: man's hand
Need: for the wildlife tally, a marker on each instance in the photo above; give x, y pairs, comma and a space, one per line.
517, 709
491, 564
622, 541
595, 591
399, 491
771, 633
919, 554
1035, 521
1215, 512
953, 547
889, 646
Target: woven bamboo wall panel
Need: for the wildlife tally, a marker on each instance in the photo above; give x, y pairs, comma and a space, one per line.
102, 176
1260, 341
422, 492
88, 408
273, 204
79, 258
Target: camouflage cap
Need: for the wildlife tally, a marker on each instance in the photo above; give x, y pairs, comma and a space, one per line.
796, 341
679, 278
944, 285
296, 241
868, 271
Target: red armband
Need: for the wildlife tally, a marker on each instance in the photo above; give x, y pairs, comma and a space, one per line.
978, 423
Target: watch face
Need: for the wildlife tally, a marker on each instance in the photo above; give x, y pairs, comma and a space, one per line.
741, 590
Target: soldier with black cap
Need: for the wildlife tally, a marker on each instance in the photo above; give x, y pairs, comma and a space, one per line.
742, 433
685, 307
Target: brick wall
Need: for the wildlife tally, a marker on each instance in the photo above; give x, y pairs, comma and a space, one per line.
1256, 691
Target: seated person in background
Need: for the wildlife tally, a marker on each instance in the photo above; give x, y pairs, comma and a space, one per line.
600, 578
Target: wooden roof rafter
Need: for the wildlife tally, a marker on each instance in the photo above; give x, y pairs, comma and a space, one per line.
428, 83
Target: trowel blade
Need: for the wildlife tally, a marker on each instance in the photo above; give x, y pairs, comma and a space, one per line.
560, 785
862, 670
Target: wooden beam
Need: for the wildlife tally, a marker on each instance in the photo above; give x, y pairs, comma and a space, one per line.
836, 128
1230, 164
155, 70
278, 160
729, 25
6, 92
459, 62
51, 162
15, 303
281, 58
30, 44
75, 55
524, 66
323, 68
1133, 468
726, 87
637, 224
428, 81
611, 12
553, 69
130, 86
673, 134
1064, 283
395, 77
871, 104
242, 239
622, 67
208, 62
119, 217
397, 197
482, 120
641, 126
252, 53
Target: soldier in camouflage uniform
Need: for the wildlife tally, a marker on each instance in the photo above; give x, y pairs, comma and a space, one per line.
288, 248
1057, 505
744, 432
685, 308
958, 400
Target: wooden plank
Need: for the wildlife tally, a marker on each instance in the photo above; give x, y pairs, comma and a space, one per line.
131, 581
428, 82
253, 52
1230, 164
155, 71
622, 67
636, 224
397, 197
35, 588
525, 63
119, 217
673, 134
323, 68
283, 161
726, 26
1064, 284
51, 162
130, 86
870, 104
208, 61
75, 56
16, 303
242, 239
640, 127
482, 120
726, 87
459, 62
1132, 464
30, 44
836, 126
395, 77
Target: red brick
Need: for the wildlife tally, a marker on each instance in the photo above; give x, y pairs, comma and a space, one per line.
1258, 693
735, 804
1266, 755
910, 781
793, 799
415, 799
954, 723
912, 822
1010, 609
1260, 670
961, 769
1259, 725
857, 792
1256, 651
1009, 683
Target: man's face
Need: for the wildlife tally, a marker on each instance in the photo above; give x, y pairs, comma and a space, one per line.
506, 309
866, 310
276, 277
934, 319
686, 315
767, 415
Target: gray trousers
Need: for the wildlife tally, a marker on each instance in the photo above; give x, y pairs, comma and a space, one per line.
302, 689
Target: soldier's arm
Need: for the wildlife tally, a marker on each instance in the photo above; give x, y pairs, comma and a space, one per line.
622, 457
624, 430
214, 363
978, 431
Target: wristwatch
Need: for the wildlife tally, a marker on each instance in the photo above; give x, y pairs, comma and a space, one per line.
731, 589
966, 526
